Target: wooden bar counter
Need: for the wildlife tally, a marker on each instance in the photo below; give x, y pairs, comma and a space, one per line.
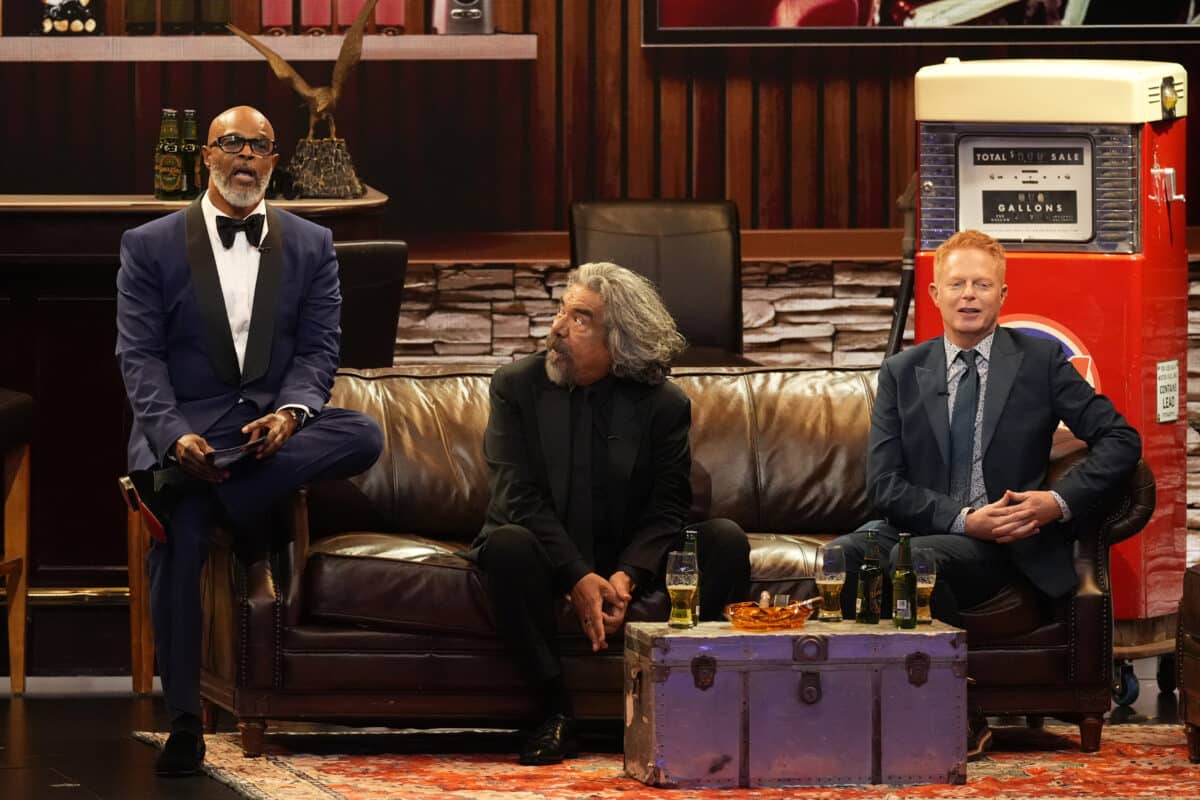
59, 256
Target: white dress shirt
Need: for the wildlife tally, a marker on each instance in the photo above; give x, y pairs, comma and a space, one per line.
237, 269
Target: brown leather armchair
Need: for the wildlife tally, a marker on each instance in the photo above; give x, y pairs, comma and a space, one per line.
366, 615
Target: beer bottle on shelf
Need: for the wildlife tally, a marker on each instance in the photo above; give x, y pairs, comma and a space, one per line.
189, 151
870, 585
690, 536
904, 586
178, 17
168, 162
214, 16
140, 17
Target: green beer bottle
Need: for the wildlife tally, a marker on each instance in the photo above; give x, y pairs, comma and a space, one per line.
689, 546
870, 585
904, 586
189, 151
168, 162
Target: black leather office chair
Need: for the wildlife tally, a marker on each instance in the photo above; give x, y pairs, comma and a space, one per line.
690, 250
372, 276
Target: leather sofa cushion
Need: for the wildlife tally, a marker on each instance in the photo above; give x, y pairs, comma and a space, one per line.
394, 582
402, 582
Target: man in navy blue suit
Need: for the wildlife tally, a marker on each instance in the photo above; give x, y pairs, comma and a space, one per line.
960, 440
227, 334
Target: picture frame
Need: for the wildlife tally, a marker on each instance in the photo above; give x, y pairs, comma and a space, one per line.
774, 23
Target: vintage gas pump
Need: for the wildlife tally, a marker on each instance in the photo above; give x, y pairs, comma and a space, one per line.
1077, 167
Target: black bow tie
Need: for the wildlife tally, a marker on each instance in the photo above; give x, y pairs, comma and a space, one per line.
227, 228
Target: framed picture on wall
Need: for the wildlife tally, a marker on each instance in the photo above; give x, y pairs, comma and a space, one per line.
669, 23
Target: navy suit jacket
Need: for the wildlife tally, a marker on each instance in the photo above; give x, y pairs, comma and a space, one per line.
174, 346
1030, 387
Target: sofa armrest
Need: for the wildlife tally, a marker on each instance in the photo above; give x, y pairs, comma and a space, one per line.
1096, 531
242, 611
295, 555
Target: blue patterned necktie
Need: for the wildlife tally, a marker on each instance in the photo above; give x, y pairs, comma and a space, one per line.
962, 430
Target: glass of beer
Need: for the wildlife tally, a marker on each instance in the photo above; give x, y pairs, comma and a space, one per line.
830, 575
683, 577
925, 565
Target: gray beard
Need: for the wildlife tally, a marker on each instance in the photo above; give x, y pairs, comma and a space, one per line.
562, 373
240, 198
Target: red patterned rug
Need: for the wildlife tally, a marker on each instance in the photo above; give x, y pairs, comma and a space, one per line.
1135, 761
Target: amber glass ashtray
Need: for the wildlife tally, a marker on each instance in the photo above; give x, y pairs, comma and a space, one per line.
752, 617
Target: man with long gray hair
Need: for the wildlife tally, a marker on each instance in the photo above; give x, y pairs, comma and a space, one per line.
589, 462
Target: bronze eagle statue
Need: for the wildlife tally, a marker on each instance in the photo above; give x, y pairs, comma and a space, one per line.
322, 100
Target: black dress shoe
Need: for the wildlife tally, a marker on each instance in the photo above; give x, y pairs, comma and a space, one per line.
153, 495
553, 741
182, 755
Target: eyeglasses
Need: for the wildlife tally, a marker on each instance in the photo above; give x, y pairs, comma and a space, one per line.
233, 144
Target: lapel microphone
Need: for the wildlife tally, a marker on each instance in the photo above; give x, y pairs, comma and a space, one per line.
264, 248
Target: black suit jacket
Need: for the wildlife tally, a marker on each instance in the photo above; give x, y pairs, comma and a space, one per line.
527, 447
1030, 387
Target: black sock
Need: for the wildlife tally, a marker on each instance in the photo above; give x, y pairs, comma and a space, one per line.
557, 697
183, 722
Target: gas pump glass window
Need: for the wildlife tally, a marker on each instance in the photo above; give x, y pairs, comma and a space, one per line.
1026, 188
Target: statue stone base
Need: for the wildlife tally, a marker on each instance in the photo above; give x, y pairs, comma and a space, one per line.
323, 168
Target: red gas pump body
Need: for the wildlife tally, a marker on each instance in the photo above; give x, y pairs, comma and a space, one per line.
1118, 317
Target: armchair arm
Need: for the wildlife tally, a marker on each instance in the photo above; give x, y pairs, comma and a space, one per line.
1096, 530
295, 555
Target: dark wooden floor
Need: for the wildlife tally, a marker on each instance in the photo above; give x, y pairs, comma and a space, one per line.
75, 746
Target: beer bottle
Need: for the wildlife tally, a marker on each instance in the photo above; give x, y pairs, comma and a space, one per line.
690, 535
140, 17
214, 16
178, 17
870, 585
904, 586
168, 162
189, 151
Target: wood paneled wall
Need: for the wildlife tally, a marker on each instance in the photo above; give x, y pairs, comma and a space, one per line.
817, 137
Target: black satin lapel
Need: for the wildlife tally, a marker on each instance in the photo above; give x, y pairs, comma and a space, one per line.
625, 432
207, 285
266, 301
931, 378
1002, 373
554, 431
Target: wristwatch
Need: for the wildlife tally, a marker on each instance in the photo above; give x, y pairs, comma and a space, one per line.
298, 415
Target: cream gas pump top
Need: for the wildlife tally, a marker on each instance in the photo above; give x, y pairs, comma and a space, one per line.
1051, 91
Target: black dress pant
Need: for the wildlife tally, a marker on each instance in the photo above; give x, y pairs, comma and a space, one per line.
521, 586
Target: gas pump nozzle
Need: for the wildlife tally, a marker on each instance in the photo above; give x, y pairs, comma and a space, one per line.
907, 204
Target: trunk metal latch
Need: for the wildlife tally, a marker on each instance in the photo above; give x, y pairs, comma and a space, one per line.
810, 687
704, 672
917, 666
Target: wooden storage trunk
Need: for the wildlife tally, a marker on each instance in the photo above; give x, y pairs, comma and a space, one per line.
829, 703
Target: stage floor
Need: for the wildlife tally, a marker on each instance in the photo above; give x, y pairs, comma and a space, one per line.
70, 740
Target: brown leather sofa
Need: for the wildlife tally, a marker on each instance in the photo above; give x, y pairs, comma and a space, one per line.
365, 615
